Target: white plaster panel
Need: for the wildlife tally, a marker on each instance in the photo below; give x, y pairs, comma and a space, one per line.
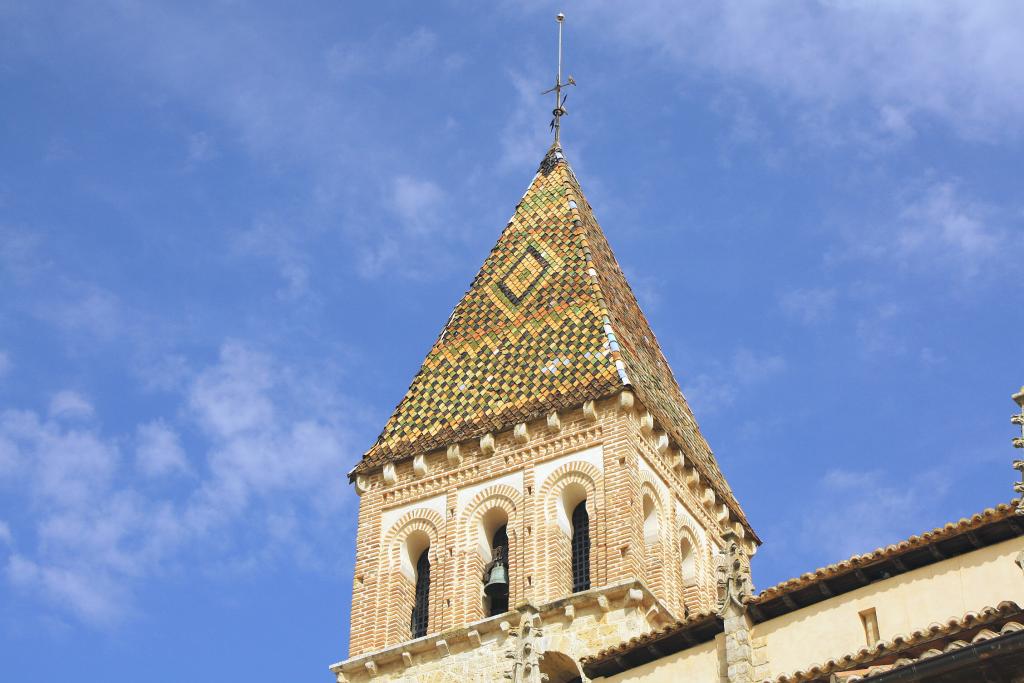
389, 517
465, 495
594, 455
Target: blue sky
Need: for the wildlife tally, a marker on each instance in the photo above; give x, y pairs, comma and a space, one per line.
229, 232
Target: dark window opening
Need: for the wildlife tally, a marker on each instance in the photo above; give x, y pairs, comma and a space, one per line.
499, 544
580, 548
418, 623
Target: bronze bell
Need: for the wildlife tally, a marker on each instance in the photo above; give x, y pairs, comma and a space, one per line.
497, 582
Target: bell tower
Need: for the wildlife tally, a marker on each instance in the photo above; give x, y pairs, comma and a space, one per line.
542, 491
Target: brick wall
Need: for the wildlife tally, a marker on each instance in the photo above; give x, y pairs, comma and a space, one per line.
611, 453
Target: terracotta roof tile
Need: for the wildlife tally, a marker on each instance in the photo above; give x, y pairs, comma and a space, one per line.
650, 637
548, 323
987, 516
884, 656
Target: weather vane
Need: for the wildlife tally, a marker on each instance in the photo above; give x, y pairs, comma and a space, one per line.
559, 110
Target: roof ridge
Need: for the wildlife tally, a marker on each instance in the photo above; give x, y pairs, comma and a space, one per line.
963, 525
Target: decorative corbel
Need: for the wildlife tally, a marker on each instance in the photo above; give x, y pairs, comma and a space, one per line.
419, 465
389, 473
646, 422
692, 477
454, 456
362, 484
554, 424
626, 401
487, 444
520, 433
590, 411
707, 497
661, 442
407, 658
678, 459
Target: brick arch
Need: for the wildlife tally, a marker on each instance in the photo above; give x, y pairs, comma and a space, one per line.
555, 562
468, 586
399, 590
694, 595
657, 564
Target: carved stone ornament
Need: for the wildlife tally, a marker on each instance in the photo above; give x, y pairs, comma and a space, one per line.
1018, 442
734, 583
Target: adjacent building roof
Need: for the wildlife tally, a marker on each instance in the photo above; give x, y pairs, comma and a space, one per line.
992, 525
548, 323
679, 635
988, 527
884, 659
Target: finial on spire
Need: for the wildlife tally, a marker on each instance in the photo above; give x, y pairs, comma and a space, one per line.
559, 110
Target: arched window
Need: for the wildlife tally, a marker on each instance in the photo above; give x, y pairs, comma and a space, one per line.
651, 524
421, 605
688, 556
499, 544
580, 548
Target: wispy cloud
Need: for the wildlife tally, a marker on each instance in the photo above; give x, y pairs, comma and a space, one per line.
69, 404
158, 451
97, 529
809, 306
719, 387
875, 62
869, 509
941, 225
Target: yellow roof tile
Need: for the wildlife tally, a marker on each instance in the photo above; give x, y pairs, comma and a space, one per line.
548, 323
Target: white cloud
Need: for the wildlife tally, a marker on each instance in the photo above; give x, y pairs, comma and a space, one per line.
231, 397
82, 308
810, 305
941, 225
416, 201
67, 467
273, 450
953, 61
158, 451
709, 392
70, 405
868, 509
77, 590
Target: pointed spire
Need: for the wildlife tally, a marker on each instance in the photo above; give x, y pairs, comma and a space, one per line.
549, 323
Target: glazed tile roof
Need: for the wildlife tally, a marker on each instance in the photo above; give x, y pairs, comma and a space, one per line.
906, 649
548, 323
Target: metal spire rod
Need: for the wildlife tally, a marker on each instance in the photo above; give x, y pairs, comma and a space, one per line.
559, 110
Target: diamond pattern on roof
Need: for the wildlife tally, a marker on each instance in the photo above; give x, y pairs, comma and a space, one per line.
548, 322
